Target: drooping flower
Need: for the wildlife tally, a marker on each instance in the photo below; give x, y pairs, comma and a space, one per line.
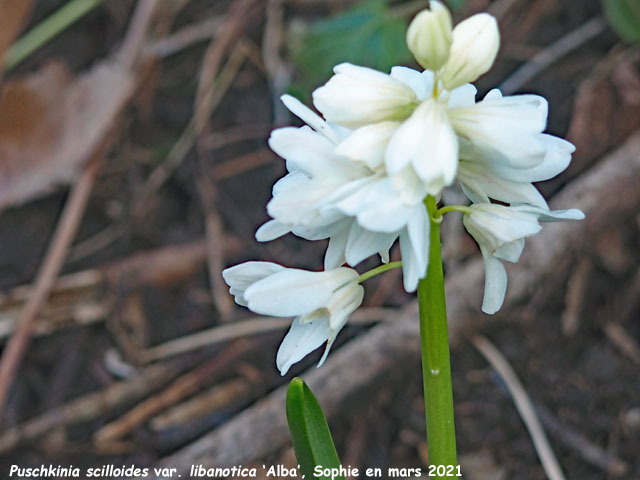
320, 301
500, 232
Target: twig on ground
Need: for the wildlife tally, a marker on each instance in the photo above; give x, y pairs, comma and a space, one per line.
213, 83
523, 404
581, 445
575, 295
243, 164
184, 38
89, 406
207, 190
180, 149
623, 341
133, 40
51, 265
278, 72
79, 298
216, 398
219, 139
552, 54
71, 216
176, 391
245, 328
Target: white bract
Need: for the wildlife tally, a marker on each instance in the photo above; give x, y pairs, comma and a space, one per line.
500, 232
320, 301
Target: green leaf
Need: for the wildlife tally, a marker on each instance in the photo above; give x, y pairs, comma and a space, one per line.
369, 35
624, 18
310, 433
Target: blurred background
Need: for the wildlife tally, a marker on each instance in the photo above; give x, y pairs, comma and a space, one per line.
134, 168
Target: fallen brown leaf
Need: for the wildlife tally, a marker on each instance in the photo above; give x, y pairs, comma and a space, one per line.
13, 14
50, 124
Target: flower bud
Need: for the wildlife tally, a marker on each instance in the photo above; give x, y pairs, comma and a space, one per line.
475, 45
429, 36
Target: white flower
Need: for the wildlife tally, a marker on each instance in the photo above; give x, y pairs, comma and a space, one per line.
413, 120
357, 96
482, 179
429, 36
504, 130
427, 142
327, 195
320, 301
475, 45
500, 232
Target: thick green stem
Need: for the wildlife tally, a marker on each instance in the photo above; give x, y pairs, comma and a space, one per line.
436, 368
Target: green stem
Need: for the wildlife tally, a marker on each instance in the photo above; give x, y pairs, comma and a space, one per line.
451, 208
436, 368
47, 29
378, 270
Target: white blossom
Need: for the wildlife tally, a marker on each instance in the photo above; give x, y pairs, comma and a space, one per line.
357, 96
475, 45
429, 36
320, 301
347, 199
500, 232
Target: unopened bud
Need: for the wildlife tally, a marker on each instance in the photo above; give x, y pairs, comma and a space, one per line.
429, 36
475, 45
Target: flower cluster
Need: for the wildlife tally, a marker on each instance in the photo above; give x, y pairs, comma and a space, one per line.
359, 176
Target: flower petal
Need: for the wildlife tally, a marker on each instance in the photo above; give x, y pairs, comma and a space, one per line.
271, 230
363, 243
296, 292
302, 339
422, 85
428, 143
242, 276
309, 117
335, 254
357, 96
367, 144
481, 184
495, 283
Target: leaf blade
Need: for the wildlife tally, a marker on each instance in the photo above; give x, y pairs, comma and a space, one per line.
310, 432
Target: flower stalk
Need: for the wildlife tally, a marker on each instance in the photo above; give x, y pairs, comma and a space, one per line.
436, 367
378, 270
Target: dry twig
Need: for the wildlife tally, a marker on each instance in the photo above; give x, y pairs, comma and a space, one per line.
72, 213
582, 446
552, 54
523, 404
574, 298
179, 389
89, 406
245, 328
623, 341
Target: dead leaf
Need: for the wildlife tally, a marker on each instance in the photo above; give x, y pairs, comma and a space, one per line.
50, 124
13, 14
